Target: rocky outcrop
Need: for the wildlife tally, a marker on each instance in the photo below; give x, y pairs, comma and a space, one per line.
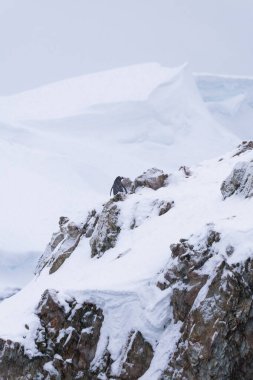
103, 228
240, 181
184, 276
217, 335
243, 147
138, 357
152, 178
213, 301
107, 228
66, 343
65, 241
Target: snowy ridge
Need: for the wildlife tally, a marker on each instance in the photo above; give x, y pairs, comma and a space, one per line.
74, 96
230, 100
122, 281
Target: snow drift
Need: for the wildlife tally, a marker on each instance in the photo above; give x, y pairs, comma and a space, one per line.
230, 100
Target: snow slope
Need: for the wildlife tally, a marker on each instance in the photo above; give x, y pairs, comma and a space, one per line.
63, 144
230, 100
123, 281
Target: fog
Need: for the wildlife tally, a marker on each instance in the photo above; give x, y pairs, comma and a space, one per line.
46, 40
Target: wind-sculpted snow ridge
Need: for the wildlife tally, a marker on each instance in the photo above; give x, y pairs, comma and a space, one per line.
72, 96
230, 101
167, 295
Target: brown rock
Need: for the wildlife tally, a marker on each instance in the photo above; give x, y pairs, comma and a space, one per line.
139, 356
152, 178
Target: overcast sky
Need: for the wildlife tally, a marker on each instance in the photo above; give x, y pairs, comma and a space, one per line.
47, 40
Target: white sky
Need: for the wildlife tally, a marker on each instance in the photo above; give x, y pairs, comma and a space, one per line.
47, 40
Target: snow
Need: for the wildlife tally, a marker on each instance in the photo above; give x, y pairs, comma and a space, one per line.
124, 285
63, 144
71, 97
230, 100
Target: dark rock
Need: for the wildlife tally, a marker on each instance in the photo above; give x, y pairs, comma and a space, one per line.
164, 207
186, 171
217, 336
67, 341
230, 250
63, 220
138, 359
183, 275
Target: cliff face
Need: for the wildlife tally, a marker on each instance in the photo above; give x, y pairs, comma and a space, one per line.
184, 243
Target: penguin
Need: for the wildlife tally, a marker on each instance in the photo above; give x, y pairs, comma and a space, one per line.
117, 186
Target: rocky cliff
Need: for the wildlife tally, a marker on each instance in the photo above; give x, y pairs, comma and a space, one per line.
152, 285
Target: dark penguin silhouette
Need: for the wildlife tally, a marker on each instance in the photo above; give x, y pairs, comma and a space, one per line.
117, 186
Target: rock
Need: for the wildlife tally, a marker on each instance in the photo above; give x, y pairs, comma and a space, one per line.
152, 178
184, 275
71, 334
64, 242
16, 365
128, 184
63, 220
107, 228
66, 341
71, 240
186, 171
165, 206
240, 181
147, 210
138, 357
216, 341
215, 308
243, 147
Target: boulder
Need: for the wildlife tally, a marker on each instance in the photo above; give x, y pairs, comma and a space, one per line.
152, 178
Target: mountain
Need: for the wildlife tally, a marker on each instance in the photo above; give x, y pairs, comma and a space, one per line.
63, 144
155, 284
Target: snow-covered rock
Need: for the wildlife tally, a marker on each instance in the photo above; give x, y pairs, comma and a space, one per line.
216, 310
153, 178
107, 228
240, 181
64, 242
